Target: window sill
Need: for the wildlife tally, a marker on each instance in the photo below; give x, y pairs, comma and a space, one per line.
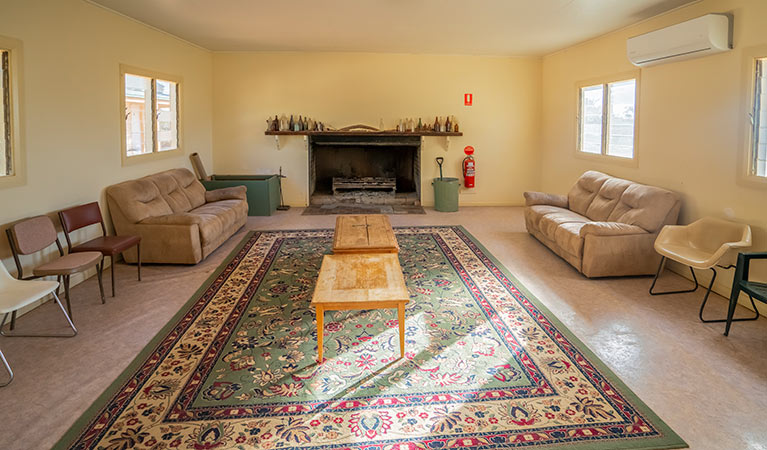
148, 157
608, 159
753, 181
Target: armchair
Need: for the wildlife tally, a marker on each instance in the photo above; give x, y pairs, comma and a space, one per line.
742, 283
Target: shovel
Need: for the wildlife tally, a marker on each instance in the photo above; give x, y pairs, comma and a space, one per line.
440, 160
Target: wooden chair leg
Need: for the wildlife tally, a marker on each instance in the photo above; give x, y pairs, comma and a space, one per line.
112, 261
66, 294
99, 273
138, 253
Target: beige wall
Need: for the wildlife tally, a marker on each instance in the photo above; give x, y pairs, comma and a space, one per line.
71, 56
342, 89
691, 119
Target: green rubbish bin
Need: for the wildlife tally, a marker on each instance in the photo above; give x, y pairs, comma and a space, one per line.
446, 194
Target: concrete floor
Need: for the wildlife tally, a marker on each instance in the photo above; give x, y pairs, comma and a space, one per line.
710, 389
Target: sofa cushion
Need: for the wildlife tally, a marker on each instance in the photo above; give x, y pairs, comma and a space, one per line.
582, 194
550, 222
138, 199
189, 186
171, 192
534, 213
217, 217
644, 206
568, 238
606, 199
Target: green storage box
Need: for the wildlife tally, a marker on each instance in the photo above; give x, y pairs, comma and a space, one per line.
263, 190
446, 194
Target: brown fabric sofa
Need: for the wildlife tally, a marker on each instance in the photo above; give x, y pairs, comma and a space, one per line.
604, 226
177, 219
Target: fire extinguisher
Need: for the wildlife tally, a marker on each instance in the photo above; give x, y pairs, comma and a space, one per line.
468, 167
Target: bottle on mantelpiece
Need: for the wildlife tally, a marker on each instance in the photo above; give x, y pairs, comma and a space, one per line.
291, 124
436, 124
420, 124
447, 124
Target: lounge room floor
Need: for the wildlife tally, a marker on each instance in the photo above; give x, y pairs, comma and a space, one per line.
710, 389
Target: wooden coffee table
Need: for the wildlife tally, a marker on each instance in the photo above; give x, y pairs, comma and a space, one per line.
360, 281
364, 234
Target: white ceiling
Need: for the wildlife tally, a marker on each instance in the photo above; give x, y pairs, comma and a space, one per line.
476, 27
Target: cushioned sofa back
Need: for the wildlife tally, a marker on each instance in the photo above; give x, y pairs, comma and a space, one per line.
648, 207
190, 186
582, 194
138, 199
606, 199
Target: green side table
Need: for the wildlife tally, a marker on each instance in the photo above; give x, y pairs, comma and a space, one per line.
263, 190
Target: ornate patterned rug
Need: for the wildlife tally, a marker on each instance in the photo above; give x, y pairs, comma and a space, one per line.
487, 366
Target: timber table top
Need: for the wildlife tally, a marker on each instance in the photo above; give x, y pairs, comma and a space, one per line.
360, 278
364, 234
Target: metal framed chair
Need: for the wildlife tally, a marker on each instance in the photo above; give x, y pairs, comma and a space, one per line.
700, 245
754, 289
16, 294
33, 235
90, 214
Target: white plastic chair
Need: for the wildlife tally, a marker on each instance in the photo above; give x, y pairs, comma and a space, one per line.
16, 294
702, 245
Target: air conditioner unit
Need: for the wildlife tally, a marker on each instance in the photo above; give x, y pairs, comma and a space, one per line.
695, 38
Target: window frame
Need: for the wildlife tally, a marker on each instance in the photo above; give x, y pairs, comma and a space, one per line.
155, 154
605, 81
15, 105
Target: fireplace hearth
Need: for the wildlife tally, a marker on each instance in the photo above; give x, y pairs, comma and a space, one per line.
365, 169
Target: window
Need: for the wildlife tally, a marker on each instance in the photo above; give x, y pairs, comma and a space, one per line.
6, 147
607, 118
758, 159
11, 148
152, 114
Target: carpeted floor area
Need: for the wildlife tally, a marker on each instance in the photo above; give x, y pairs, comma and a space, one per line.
486, 366
708, 388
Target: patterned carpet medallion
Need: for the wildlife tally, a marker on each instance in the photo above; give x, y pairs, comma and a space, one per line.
486, 366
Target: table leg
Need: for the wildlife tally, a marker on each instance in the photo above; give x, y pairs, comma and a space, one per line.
320, 329
401, 320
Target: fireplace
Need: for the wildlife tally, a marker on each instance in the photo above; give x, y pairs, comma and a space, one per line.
374, 169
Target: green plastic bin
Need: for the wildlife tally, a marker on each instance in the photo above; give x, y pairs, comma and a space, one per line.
446, 194
263, 190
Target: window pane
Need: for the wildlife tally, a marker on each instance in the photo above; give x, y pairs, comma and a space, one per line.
138, 116
167, 115
591, 119
6, 153
620, 140
759, 148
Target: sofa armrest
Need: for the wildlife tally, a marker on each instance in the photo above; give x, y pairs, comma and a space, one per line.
227, 193
172, 219
610, 229
542, 198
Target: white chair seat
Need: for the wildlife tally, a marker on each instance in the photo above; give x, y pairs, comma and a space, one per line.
16, 294
703, 243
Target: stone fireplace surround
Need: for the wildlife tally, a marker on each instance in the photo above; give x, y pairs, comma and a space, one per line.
363, 155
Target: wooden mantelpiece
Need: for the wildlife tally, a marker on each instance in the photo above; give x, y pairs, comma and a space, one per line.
361, 133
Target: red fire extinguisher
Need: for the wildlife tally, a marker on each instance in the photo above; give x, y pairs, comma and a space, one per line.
468, 167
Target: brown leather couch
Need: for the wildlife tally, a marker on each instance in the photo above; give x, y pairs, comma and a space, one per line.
177, 219
604, 226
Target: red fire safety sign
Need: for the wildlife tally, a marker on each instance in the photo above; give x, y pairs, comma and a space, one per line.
467, 99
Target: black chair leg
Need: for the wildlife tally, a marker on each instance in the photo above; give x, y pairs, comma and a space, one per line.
99, 273
66, 294
657, 274
13, 320
138, 254
112, 261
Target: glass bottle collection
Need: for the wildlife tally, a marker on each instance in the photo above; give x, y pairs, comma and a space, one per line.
447, 124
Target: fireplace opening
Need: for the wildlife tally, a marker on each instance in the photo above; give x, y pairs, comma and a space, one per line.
364, 169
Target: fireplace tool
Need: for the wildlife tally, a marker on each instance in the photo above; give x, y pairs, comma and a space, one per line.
283, 206
440, 160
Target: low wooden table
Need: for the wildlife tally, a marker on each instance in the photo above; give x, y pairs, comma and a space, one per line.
360, 281
364, 234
